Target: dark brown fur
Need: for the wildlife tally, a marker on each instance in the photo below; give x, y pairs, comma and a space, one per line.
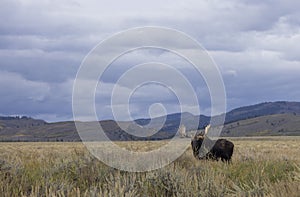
220, 148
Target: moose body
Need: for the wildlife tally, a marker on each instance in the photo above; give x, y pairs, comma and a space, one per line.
212, 149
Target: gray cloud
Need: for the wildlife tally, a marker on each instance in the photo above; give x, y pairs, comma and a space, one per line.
42, 44
20, 96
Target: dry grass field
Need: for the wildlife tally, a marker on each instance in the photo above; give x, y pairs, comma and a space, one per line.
260, 167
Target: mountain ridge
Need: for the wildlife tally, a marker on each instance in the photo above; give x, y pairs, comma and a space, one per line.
268, 118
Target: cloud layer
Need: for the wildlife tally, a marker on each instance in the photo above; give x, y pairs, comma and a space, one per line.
42, 44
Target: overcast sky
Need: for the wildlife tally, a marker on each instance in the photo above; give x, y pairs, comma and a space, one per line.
43, 42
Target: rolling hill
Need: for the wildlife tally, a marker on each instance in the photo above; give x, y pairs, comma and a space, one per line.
264, 119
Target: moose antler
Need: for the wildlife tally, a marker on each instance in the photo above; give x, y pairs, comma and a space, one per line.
201, 134
206, 129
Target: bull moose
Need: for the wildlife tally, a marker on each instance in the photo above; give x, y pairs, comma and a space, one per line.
211, 149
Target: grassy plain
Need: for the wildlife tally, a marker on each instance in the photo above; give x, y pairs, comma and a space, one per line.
268, 166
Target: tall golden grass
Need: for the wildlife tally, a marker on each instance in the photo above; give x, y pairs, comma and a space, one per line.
260, 167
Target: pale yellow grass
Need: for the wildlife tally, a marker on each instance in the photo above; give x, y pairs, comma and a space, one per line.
260, 167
